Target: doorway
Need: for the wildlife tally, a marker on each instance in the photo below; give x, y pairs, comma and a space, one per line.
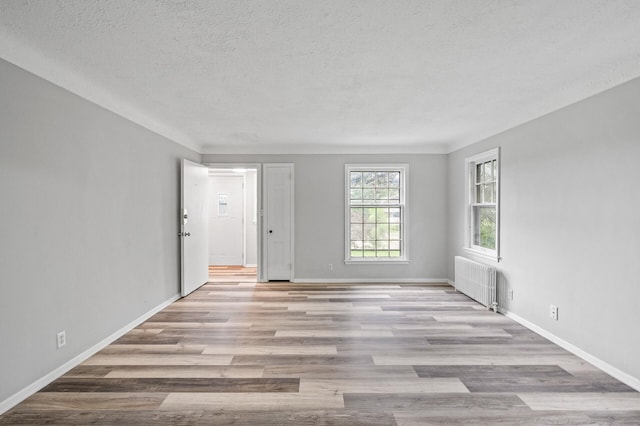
233, 222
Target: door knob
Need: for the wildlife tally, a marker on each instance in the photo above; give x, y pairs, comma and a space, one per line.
188, 234
271, 231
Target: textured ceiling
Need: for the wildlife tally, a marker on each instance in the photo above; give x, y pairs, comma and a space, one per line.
326, 76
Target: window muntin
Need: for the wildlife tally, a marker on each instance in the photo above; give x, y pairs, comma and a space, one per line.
483, 216
375, 213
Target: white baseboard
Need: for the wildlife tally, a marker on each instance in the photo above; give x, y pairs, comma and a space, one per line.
604, 366
34, 387
250, 265
369, 280
451, 283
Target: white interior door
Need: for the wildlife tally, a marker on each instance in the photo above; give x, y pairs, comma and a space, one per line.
226, 241
194, 226
278, 204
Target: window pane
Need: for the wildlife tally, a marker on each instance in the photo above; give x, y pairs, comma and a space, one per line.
369, 215
479, 194
486, 190
382, 179
369, 232
356, 232
382, 195
369, 179
369, 253
369, 195
394, 232
384, 253
356, 195
383, 231
369, 245
356, 215
487, 171
478, 173
394, 215
484, 227
356, 253
356, 179
356, 245
394, 179
394, 195
394, 245
382, 215
382, 245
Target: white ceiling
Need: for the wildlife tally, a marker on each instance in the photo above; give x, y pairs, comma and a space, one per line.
326, 76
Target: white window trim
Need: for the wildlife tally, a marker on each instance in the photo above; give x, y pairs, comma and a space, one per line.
469, 247
404, 246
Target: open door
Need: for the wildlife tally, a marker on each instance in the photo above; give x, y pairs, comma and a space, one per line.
194, 227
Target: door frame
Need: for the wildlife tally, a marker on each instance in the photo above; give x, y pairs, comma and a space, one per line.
263, 211
260, 267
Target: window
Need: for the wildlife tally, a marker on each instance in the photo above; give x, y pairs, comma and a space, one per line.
483, 208
375, 213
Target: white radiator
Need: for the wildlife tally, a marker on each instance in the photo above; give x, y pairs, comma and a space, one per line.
476, 280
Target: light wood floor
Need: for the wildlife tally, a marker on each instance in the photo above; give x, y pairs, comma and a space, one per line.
240, 353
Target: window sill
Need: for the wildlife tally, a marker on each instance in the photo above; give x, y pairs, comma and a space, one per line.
487, 256
376, 261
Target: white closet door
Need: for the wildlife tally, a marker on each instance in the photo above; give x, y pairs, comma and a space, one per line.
279, 221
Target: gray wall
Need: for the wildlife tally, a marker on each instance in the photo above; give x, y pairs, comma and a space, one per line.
319, 214
570, 222
88, 205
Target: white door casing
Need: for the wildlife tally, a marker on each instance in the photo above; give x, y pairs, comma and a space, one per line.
226, 220
194, 226
278, 229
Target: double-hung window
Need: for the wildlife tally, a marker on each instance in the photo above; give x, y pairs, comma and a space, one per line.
375, 217
483, 210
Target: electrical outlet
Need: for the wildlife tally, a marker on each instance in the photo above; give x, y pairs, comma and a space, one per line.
61, 339
553, 312
510, 294
331, 266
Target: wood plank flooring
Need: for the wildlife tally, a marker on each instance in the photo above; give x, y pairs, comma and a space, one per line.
238, 353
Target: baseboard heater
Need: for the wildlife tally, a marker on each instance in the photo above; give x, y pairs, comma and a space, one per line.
476, 280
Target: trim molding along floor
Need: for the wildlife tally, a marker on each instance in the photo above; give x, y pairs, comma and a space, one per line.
34, 387
368, 280
604, 366
241, 352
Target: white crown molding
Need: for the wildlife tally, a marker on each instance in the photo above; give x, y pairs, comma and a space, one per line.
40, 65
302, 148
